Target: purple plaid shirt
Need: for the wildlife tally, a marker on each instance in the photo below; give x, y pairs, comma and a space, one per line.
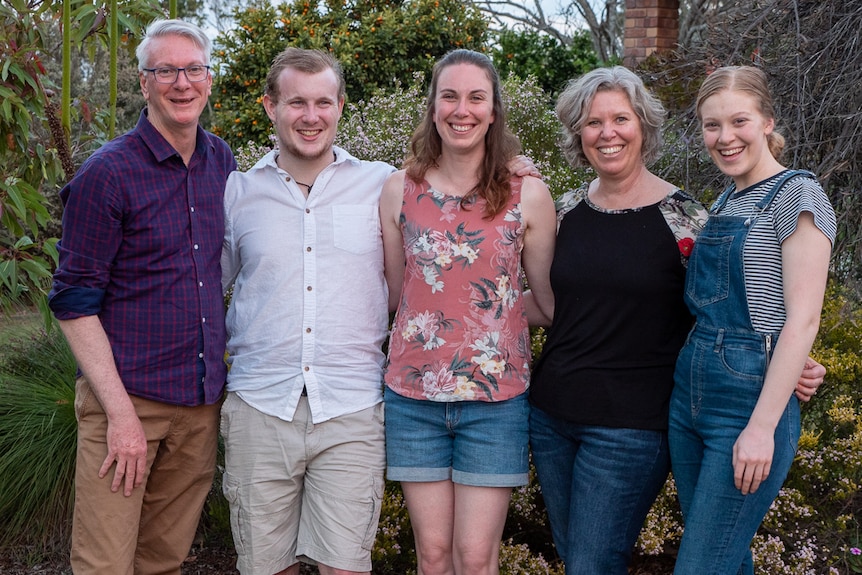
142, 239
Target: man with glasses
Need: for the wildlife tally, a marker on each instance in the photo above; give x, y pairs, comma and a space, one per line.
138, 296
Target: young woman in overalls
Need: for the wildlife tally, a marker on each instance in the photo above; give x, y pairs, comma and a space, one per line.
755, 285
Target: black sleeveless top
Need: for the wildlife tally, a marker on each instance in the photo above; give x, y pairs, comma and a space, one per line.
619, 319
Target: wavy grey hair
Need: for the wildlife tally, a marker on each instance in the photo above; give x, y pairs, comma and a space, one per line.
575, 102
162, 28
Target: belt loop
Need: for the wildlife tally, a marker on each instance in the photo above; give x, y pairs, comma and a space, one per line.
719, 339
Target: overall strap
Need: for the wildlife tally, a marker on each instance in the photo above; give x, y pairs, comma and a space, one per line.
768, 197
779, 183
722, 199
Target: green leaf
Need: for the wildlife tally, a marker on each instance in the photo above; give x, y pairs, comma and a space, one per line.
35, 269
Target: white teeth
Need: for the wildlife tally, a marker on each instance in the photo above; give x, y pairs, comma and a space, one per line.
730, 152
611, 150
307, 132
460, 128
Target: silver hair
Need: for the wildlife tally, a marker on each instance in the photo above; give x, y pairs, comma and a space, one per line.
574, 104
162, 28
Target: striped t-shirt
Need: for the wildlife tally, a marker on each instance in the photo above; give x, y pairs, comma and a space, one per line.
762, 250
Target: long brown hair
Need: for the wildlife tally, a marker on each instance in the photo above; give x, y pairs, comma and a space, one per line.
501, 145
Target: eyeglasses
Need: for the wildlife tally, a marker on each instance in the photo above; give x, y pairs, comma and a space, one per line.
169, 74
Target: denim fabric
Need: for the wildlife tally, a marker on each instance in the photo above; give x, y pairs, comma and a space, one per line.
598, 484
478, 443
717, 388
718, 378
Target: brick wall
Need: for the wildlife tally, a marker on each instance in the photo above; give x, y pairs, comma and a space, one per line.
651, 25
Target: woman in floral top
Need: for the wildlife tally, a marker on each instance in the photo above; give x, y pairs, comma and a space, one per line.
457, 227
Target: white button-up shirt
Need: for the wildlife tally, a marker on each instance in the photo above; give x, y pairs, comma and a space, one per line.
309, 303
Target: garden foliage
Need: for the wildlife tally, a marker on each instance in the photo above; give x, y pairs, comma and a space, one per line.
378, 42
37, 441
28, 159
528, 53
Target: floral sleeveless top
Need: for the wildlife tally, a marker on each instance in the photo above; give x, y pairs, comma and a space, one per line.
460, 332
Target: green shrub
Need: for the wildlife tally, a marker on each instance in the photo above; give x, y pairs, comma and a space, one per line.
37, 441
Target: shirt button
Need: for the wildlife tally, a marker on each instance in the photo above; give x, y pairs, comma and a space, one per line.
306, 368
308, 330
200, 284
192, 209
308, 288
196, 246
308, 249
203, 320
200, 355
307, 211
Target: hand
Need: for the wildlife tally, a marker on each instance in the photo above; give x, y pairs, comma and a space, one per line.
127, 446
523, 166
752, 457
810, 380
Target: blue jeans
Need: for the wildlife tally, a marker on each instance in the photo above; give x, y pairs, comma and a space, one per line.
719, 376
598, 484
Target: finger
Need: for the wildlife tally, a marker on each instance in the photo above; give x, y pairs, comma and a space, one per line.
738, 473
756, 479
804, 393
106, 465
130, 479
745, 484
119, 472
139, 471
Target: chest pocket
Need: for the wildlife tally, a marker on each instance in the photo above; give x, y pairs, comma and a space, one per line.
708, 278
356, 228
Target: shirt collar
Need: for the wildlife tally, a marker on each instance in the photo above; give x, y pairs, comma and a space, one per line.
160, 147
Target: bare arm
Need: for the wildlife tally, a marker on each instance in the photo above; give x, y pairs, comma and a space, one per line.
391, 201
127, 444
540, 220
805, 263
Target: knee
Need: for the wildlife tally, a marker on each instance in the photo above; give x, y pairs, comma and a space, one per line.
435, 559
484, 561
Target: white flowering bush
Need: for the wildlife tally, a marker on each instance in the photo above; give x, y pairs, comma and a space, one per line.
380, 129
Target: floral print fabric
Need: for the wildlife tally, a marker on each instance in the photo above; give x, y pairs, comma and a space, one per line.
460, 332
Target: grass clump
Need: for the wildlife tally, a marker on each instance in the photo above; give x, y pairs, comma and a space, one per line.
37, 441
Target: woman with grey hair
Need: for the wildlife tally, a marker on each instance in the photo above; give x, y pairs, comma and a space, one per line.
599, 395
600, 391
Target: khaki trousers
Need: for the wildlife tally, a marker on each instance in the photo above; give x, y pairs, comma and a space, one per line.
150, 532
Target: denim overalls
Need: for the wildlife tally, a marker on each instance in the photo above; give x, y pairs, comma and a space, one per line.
719, 375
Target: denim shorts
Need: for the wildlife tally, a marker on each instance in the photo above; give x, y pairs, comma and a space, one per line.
478, 443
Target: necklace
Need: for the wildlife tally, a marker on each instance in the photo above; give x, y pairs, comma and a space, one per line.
307, 186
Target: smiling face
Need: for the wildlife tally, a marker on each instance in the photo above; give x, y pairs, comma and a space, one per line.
611, 135
463, 107
735, 135
306, 114
175, 108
